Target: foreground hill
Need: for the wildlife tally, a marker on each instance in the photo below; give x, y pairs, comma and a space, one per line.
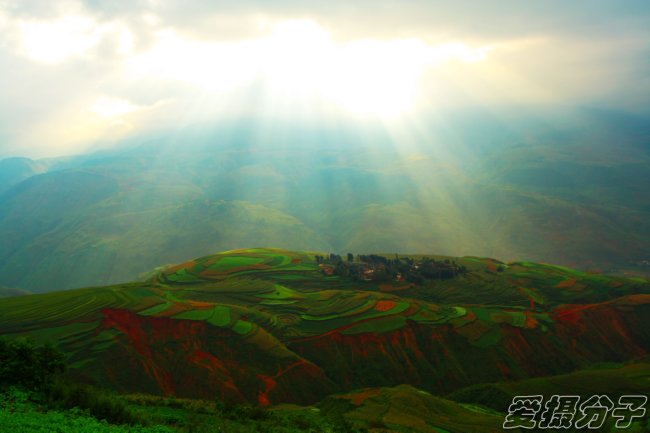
407, 409
614, 379
481, 408
271, 326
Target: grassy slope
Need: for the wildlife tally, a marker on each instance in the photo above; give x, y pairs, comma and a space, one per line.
611, 380
614, 379
482, 408
164, 415
407, 409
267, 326
90, 230
32, 420
401, 409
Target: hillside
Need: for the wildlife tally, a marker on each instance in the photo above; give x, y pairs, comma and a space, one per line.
271, 326
564, 189
9, 292
481, 408
617, 379
407, 409
15, 170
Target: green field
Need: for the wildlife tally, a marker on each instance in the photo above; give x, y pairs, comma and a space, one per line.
268, 327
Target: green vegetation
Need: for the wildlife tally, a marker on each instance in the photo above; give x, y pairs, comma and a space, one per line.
407, 409
228, 263
615, 379
52, 404
22, 364
33, 395
60, 406
250, 347
19, 414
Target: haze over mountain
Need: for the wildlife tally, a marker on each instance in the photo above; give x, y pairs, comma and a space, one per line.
559, 185
326, 216
134, 135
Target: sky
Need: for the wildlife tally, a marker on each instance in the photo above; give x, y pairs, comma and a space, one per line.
77, 73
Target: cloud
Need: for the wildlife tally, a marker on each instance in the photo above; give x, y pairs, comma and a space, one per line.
393, 18
143, 63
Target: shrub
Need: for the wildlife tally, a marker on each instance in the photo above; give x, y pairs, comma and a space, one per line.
26, 365
242, 411
103, 405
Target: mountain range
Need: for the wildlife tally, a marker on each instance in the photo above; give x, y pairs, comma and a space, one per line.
566, 186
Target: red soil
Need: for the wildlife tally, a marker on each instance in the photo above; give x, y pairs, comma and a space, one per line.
190, 358
359, 397
384, 305
566, 283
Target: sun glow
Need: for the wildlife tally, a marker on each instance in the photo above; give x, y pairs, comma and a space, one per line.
300, 62
291, 69
107, 107
295, 63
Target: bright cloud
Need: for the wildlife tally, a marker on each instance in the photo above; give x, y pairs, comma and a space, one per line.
55, 41
71, 70
299, 59
108, 107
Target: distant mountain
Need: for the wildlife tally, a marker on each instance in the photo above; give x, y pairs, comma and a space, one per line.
563, 185
6, 292
15, 170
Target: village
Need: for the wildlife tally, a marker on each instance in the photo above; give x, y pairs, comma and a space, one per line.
380, 268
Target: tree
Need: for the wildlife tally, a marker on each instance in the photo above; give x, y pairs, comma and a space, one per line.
24, 364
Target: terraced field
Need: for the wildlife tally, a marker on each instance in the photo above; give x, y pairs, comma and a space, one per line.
269, 326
